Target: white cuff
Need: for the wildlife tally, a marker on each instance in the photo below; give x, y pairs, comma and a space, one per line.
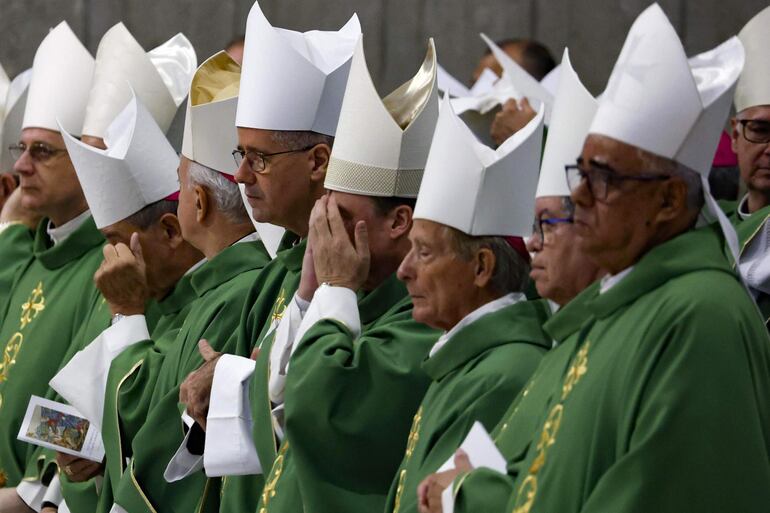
281, 349
53, 494
83, 381
32, 493
183, 463
63, 508
337, 303
229, 448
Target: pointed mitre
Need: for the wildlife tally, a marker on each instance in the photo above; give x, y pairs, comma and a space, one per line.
658, 101
476, 189
754, 85
296, 80
209, 128
62, 72
138, 168
160, 78
15, 102
573, 111
382, 143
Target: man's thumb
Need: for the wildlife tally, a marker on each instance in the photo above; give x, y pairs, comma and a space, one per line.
207, 352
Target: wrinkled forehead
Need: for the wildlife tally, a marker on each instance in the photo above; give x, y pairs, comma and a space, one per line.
43, 135
552, 206
757, 112
620, 156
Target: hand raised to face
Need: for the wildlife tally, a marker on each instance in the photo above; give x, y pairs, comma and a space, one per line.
122, 278
337, 260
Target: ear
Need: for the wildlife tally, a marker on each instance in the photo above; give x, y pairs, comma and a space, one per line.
172, 231
734, 134
673, 200
485, 267
202, 209
400, 219
319, 161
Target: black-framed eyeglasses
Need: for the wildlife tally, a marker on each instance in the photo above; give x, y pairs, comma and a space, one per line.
601, 178
755, 131
257, 161
38, 151
545, 227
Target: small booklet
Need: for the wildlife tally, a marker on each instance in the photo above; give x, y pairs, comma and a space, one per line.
62, 428
481, 451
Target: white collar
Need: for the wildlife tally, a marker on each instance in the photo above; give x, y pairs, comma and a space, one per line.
252, 237
195, 267
59, 233
754, 263
743, 208
610, 281
486, 309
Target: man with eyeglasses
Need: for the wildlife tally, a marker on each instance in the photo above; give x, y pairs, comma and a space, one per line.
53, 293
560, 273
286, 129
656, 396
751, 143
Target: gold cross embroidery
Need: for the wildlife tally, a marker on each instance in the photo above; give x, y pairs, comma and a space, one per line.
34, 305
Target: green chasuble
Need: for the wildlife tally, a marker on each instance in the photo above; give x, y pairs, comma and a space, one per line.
222, 287
661, 401
130, 384
730, 208
747, 231
474, 378
487, 490
349, 402
264, 308
15, 247
52, 295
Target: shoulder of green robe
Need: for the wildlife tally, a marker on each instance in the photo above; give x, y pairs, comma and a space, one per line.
86, 239
229, 266
730, 209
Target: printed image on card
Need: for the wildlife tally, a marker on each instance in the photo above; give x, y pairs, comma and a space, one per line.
62, 428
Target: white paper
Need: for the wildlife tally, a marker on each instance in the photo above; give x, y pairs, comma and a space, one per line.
62, 428
482, 453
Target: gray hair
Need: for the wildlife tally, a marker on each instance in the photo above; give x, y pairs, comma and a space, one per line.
226, 195
511, 273
298, 139
152, 213
691, 179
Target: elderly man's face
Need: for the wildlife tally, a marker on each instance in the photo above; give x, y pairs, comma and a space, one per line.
558, 270
615, 231
284, 186
49, 185
753, 158
438, 282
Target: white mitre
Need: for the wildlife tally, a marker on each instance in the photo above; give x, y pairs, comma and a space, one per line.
138, 168
210, 135
573, 110
754, 85
296, 80
476, 189
160, 78
660, 102
62, 72
15, 102
382, 143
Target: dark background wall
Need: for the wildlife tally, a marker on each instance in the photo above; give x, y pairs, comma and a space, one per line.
395, 31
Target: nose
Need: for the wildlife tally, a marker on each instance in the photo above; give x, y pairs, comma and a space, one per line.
405, 269
533, 243
243, 174
581, 195
24, 165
